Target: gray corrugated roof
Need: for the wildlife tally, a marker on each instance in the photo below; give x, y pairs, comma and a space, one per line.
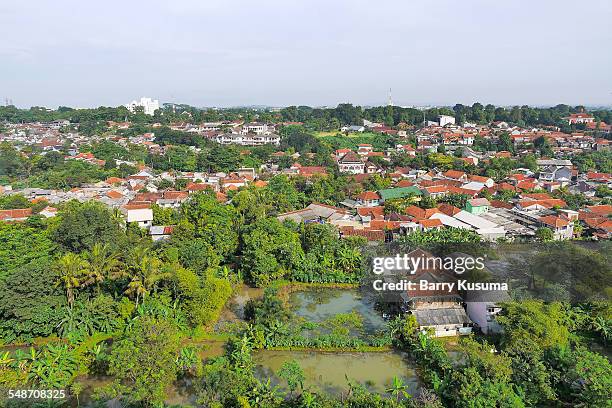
487, 296
438, 317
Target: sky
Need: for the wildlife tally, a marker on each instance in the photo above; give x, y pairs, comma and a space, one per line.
297, 52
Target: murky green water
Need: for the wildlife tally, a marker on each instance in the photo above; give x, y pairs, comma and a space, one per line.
328, 371
318, 305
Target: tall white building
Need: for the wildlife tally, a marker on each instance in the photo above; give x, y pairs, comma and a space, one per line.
148, 105
446, 120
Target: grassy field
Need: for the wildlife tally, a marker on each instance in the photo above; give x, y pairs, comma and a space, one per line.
352, 140
324, 134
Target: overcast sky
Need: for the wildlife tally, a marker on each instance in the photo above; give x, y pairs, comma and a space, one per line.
312, 52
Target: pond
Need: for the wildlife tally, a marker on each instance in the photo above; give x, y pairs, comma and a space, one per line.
327, 372
234, 309
317, 305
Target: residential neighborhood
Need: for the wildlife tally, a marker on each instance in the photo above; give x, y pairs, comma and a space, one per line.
291, 204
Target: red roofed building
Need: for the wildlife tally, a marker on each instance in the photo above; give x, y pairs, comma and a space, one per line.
582, 117
433, 223
455, 175
404, 183
20, 214
598, 177
309, 171
371, 213
420, 213
193, 187
435, 191
562, 228
449, 209
370, 235
368, 199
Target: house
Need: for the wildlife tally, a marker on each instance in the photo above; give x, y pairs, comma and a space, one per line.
556, 173
353, 128
138, 212
477, 206
482, 307
419, 213
582, 117
473, 186
438, 310
351, 163
455, 175
435, 191
537, 205
487, 181
364, 149
400, 192
368, 199
561, 227
20, 214
161, 232
255, 128
406, 149
315, 212
444, 120
248, 139
430, 224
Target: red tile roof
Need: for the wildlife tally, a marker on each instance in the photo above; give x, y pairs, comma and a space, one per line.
432, 223
16, 214
554, 221
454, 174
368, 195
420, 213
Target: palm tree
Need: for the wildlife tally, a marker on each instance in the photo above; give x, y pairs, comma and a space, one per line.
102, 264
71, 270
146, 271
398, 389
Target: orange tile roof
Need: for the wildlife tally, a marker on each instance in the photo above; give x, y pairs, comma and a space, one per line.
374, 212
114, 180
554, 221
434, 222
448, 209
454, 174
15, 213
368, 195
600, 209
404, 183
114, 194
420, 213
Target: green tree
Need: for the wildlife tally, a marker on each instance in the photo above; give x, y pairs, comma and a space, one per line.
271, 250
291, 372
545, 234
72, 271
212, 222
143, 360
102, 264
80, 226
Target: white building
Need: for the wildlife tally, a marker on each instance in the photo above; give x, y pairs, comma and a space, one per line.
148, 105
446, 120
483, 307
248, 139
256, 128
142, 214
351, 163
